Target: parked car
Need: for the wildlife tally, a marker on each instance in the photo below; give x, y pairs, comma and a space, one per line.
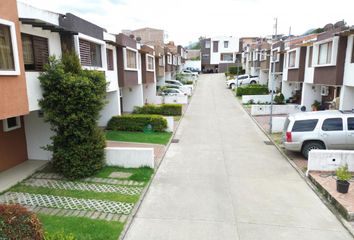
172, 92
240, 80
189, 72
187, 89
192, 69
332, 129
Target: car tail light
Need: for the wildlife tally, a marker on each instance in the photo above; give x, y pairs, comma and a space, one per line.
288, 137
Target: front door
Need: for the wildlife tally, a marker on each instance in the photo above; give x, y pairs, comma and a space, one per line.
333, 133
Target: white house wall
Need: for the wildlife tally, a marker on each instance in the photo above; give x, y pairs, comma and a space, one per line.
149, 92
27, 11
34, 91
287, 89
38, 135
263, 77
232, 48
309, 71
112, 108
347, 98
310, 94
349, 66
132, 96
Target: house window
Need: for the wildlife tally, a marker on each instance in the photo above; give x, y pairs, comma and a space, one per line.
310, 56
35, 52
169, 58
174, 60
90, 53
131, 59
6, 51
162, 61
226, 44
215, 46
275, 56
150, 63
207, 44
226, 57
292, 57
11, 123
205, 56
110, 65
325, 53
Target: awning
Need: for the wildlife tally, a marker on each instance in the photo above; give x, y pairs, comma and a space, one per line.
45, 25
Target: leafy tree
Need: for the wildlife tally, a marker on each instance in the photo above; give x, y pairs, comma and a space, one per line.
72, 100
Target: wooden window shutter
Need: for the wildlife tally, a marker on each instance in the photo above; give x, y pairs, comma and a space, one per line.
110, 64
85, 55
41, 52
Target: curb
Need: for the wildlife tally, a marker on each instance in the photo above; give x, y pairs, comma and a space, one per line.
312, 186
137, 206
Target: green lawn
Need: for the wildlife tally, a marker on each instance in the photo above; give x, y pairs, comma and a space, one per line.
139, 174
81, 228
155, 137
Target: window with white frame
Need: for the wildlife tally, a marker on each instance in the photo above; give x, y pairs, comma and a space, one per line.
35, 52
325, 53
292, 59
263, 55
229, 57
11, 123
131, 59
162, 61
310, 56
174, 60
226, 44
275, 55
207, 44
9, 64
169, 58
90, 53
150, 66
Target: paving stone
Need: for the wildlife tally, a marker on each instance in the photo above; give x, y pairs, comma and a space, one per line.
103, 216
55, 211
116, 217
123, 218
82, 213
120, 175
88, 214
109, 216
95, 215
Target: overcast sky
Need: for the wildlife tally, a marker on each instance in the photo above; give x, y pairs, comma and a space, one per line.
185, 20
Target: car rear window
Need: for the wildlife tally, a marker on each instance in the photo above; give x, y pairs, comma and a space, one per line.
350, 124
304, 125
332, 124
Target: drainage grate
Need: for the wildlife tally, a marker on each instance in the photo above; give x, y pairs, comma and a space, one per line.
268, 143
175, 140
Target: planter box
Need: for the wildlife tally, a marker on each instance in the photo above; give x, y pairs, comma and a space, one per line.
129, 157
256, 98
257, 110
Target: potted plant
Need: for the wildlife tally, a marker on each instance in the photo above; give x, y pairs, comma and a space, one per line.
343, 176
316, 105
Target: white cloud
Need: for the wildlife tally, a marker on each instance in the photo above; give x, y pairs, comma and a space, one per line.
186, 20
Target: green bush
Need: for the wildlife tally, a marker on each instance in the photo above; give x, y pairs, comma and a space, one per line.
279, 99
16, 222
253, 89
137, 123
233, 70
163, 109
343, 173
72, 101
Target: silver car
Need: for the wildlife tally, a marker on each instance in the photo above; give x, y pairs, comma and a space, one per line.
330, 129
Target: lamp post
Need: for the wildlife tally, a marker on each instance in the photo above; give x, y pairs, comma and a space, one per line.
272, 80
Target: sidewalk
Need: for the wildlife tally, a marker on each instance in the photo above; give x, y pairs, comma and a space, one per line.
221, 181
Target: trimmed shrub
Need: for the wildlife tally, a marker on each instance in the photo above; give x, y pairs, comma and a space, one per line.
279, 99
137, 123
72, 101
16, 222
253, 89
163, 109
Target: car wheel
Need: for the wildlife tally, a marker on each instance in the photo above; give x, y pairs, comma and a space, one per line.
253, 82
311, 146
232, 86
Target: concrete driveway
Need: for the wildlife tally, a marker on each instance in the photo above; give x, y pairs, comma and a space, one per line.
221, 181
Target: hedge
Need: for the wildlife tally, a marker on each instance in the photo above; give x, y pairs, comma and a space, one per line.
16, 222
137, 123
254, 89
164, 109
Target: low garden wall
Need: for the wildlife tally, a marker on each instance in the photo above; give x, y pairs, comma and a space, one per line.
278, 124
171, 99
129, 157
330, 160
256, 98
257, 110
170, 124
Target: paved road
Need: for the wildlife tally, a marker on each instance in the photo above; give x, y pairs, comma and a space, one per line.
222, 182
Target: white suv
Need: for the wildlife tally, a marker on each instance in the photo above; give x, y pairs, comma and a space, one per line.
330, 129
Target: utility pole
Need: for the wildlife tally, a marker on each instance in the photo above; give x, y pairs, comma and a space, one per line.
274, 57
